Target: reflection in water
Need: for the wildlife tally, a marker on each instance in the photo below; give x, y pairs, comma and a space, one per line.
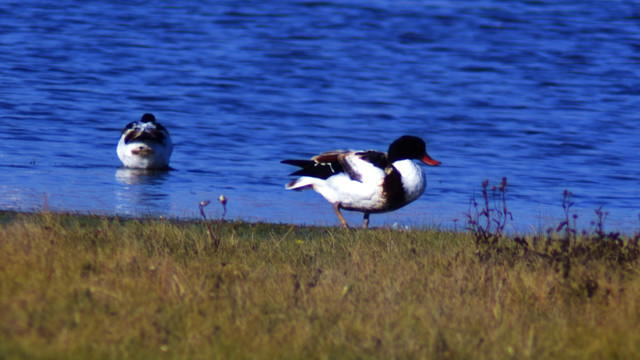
141, 192
128, 176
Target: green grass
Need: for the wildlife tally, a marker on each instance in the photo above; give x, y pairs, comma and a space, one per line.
93, 287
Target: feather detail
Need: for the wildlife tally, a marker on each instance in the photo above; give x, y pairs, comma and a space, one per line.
145, 144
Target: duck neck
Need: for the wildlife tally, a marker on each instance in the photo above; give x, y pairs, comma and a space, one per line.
413, 180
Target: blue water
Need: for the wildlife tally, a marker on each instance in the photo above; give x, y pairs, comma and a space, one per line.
545, 93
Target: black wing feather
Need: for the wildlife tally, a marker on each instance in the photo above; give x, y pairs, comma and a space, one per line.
377, 158
298, 163
315, 169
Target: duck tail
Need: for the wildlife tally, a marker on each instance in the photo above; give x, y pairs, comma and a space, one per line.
303, 183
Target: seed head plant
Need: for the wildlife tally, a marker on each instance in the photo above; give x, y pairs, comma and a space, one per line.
215, 238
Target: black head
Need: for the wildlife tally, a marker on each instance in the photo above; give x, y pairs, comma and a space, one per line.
407, 147
146, 118
410, 147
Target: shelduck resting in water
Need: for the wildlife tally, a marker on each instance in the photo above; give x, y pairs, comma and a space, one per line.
367, 181
145, 144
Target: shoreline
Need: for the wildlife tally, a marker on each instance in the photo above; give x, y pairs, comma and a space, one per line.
458, 226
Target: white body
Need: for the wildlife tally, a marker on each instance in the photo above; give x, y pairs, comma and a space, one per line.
145, 154
365, 195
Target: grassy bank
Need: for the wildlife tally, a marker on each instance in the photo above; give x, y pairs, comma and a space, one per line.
89, 287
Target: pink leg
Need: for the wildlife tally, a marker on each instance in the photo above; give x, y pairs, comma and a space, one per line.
343, 222
365, 223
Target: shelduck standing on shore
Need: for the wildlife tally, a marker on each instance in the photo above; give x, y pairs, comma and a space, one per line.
145, 144
366, 181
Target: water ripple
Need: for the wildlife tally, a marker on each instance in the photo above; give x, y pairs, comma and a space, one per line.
545, 93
